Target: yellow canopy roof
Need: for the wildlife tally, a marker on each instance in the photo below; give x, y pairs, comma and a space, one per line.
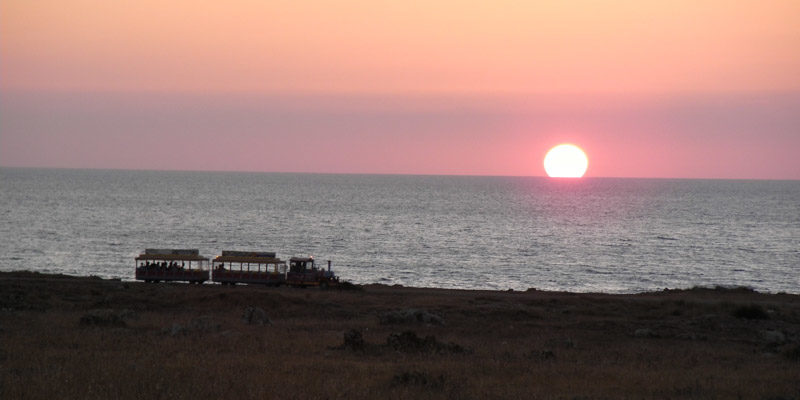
251, 260
171, 257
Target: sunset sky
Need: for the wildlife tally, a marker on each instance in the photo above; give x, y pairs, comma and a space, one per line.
680, 89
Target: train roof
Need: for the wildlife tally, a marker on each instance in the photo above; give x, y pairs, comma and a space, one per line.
255, 257
252, 260
171, 257
238, 253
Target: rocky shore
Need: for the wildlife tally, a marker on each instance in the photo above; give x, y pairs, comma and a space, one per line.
70, 337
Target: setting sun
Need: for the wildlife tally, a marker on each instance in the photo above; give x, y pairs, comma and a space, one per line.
565, 161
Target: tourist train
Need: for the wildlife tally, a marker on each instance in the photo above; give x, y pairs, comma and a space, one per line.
230, 268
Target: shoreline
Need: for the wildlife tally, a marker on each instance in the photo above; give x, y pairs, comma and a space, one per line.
717, 288
103, 338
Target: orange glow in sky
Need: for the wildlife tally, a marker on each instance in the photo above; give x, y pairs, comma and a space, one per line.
459, 87
377, 46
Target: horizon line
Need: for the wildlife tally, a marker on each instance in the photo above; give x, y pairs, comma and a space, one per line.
466, 175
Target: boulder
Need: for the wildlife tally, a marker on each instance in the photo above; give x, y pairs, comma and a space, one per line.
773, 337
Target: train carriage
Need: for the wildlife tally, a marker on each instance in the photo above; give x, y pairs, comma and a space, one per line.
185, 265
234, 267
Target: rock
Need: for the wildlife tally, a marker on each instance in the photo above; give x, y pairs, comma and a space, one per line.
410, 316
774, 337
255, 316
175, 330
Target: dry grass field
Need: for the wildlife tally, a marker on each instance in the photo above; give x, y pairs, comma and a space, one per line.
64, 337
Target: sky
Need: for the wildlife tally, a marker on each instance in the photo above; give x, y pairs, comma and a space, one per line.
666, 89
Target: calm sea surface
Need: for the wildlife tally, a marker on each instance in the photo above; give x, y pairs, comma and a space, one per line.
597, 234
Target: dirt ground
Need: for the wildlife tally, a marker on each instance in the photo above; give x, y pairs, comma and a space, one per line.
67, 337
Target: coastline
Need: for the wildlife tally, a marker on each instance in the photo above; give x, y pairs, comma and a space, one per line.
86, 337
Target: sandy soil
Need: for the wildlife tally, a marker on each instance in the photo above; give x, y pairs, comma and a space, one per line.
65, 337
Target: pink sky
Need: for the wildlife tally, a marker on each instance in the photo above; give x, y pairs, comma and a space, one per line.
685, 89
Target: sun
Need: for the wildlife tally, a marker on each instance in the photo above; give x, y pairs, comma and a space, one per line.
565, 161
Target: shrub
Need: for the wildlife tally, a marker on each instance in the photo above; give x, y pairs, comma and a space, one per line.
409, 342
752, 311
793, 353
106, 317
418, 378
345, 285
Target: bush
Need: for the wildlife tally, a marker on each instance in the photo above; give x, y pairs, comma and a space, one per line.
410, 316
418, 378
793, 353
752, 311
409, 342
345, 285
106, 318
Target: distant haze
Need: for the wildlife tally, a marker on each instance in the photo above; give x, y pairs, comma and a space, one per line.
686, 89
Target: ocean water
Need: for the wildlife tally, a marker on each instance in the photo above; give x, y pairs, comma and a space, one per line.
588, 235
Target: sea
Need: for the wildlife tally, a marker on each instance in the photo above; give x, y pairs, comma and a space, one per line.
609, 235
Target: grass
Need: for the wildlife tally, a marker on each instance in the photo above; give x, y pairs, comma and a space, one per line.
515, 345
